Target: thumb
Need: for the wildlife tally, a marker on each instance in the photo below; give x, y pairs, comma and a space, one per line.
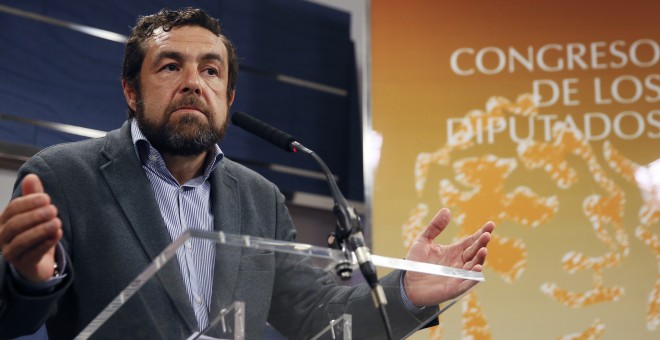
31, 185
438, 224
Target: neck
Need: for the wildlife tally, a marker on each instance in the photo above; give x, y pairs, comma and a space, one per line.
185, 168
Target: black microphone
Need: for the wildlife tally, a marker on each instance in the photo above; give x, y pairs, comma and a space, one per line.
349, 234
263, 130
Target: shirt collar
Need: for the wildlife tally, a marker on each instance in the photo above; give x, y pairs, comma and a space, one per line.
151, 158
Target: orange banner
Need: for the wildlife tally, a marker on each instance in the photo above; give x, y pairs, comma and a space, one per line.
545, 118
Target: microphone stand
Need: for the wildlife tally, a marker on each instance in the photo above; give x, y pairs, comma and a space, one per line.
348, 237
348, 233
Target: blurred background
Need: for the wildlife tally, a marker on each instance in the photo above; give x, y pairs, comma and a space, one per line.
541, 117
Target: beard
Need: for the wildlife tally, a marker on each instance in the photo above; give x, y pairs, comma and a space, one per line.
191, 135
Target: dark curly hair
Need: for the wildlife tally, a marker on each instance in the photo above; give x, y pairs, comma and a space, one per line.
169, 19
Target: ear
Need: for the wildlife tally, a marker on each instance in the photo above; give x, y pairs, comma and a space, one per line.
130, 94
230, 100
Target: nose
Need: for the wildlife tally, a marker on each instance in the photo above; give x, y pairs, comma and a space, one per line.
191, 83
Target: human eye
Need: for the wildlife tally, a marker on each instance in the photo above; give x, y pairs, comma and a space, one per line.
171, 67
211, 71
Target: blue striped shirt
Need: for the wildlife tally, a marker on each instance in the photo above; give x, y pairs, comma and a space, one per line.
185, 206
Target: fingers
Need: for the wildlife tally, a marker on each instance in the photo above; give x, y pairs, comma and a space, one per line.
30, 230
24, 204
32, 253
476, 262
33, 197
438, 224
23, 221
477, 239
488, 227
31, 184
25, 212
475, 254
32, 244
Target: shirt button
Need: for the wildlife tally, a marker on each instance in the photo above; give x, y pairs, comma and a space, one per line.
188, 244
153, 158
198, 300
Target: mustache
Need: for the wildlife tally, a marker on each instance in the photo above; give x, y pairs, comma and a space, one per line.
189, 102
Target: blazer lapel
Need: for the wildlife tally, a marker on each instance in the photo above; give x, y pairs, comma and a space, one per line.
134, 194
226, 212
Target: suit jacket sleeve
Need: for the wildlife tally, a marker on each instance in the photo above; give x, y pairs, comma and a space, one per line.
305, 300
21, 313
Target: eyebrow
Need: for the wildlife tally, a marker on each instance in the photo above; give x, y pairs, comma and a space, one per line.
213, 56
179, 57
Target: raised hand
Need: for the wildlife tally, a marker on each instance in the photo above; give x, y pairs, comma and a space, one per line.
468, 253
30, 230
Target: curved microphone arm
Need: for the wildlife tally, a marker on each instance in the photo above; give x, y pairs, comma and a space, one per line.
349, 228
348, 234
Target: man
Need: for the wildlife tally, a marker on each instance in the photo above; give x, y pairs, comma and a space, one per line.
88, 217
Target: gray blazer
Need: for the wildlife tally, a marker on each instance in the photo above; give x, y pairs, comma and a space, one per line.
113, 229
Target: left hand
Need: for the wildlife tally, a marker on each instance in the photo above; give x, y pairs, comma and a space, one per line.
468, 253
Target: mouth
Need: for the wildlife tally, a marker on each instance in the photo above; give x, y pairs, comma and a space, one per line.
188, 110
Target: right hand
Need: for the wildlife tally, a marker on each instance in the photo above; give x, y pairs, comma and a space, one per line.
30, 231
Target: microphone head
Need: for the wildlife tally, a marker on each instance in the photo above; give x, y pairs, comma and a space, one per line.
263, 130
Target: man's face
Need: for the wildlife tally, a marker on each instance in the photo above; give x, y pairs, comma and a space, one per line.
182, 104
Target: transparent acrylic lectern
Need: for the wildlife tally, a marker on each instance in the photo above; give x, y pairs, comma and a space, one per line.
156, 305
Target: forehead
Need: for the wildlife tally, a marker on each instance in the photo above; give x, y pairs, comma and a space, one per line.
193, 40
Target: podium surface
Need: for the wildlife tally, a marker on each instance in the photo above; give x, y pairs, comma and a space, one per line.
157, 305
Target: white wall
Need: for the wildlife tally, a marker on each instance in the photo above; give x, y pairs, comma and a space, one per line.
7, 178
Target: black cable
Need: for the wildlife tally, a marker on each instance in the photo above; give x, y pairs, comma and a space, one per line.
386, 321
350, 233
